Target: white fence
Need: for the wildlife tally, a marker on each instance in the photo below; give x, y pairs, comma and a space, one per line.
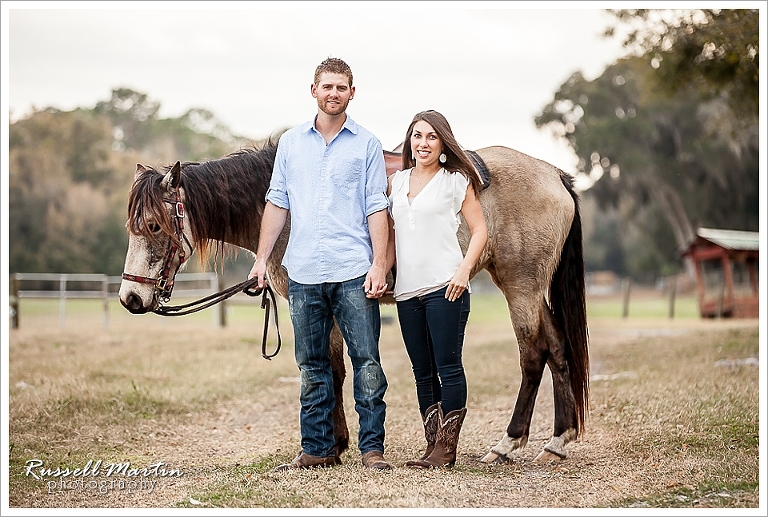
64, 286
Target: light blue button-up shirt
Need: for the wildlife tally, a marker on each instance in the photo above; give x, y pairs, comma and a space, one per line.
330, 190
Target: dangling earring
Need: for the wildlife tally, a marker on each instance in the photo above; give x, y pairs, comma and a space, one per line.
413, 156
442, 158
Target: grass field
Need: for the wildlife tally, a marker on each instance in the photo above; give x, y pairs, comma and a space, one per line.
674, 419
242, 309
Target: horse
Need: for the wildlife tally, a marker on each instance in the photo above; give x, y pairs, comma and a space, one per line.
534, 255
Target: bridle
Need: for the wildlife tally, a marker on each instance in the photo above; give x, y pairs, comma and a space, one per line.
164, 283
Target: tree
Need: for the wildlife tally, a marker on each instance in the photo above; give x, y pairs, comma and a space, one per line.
668, 137
130, 114
655, 156
716, 51
195, 136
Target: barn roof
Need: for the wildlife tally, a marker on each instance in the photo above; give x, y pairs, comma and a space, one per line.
731, 239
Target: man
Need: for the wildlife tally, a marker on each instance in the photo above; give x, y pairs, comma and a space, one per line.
329, 173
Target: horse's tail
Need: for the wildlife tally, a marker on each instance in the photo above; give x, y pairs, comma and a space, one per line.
567, 295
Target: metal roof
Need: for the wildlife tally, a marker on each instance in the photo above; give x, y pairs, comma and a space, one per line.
731, 239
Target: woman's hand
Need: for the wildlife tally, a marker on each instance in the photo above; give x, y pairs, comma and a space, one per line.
457, 285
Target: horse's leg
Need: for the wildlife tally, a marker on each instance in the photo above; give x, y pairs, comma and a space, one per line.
531, 341
566, 424
538, 348
340, 430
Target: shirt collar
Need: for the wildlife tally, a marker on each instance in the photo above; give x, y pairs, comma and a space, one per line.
349, 124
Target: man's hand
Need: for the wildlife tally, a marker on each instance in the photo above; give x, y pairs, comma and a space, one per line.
375, 284
259, 270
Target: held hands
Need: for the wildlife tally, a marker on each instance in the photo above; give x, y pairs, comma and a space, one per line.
375, 284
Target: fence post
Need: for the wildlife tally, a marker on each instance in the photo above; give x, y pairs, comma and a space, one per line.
720, 296
222, 305
105, 299
14, 301
625, 304
672, 293
62, 300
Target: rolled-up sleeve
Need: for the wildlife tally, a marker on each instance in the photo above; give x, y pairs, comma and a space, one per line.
376, 180
277, 194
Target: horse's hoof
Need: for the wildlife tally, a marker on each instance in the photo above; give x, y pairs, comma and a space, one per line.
495, 457
555, 449
546, 456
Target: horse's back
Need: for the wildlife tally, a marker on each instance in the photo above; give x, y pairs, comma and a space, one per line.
526, 180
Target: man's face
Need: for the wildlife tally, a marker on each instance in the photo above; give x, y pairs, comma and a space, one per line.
333, 93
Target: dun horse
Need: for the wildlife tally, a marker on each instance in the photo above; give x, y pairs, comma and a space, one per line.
533, 254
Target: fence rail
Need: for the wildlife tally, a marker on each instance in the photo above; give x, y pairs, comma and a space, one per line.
64, 286
52, 286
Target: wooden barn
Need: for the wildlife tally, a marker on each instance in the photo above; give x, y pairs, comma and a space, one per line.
726, 265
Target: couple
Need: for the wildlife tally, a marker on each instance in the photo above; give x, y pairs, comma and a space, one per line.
349, 225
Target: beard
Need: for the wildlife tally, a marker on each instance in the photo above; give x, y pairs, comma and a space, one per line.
335, 109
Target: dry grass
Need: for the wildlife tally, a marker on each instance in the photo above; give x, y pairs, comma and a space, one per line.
668, 427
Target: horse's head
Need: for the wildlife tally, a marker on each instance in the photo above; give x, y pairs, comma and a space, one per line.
159, 238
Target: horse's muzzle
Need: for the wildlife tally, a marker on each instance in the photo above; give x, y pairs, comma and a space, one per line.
135, 304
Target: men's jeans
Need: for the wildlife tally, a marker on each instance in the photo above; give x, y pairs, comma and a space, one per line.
433, 332
313, 308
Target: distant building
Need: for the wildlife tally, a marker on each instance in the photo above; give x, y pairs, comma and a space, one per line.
602, 283
727, 275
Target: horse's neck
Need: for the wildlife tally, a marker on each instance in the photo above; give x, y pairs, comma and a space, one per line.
229, 199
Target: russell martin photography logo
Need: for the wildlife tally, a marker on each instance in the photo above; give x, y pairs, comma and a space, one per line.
100, 477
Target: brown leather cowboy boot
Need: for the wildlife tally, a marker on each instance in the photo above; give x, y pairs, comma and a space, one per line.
444, 453
429, 418
375, 460
306, 461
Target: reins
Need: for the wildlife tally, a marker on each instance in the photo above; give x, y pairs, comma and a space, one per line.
164, 283
247, 287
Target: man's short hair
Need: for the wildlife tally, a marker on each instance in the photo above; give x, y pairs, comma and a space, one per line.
333, 65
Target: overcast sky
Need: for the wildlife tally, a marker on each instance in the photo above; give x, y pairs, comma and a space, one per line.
489, 67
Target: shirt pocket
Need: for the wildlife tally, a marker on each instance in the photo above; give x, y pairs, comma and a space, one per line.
349, 174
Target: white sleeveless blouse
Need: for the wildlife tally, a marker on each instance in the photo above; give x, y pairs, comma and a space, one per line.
427, 249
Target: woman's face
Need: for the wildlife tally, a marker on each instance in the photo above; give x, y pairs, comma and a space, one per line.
425, 144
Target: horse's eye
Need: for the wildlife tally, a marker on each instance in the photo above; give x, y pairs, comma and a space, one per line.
153, 227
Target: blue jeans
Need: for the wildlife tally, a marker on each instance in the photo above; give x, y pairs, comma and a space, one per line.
313, 308
433, 333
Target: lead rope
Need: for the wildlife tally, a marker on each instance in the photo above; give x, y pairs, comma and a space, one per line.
247, 287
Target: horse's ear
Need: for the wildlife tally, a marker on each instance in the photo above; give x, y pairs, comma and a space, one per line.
173, 178
176, 175
140, 169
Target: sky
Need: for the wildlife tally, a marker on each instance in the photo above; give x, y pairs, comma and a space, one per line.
489, 67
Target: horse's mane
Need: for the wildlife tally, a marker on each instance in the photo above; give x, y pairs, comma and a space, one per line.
223, 199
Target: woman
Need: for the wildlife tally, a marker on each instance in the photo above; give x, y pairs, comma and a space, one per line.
437, 183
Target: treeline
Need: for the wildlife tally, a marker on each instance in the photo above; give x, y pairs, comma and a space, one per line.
70, 172
667, 139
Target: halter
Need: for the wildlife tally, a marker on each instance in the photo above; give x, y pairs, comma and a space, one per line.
164, 284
